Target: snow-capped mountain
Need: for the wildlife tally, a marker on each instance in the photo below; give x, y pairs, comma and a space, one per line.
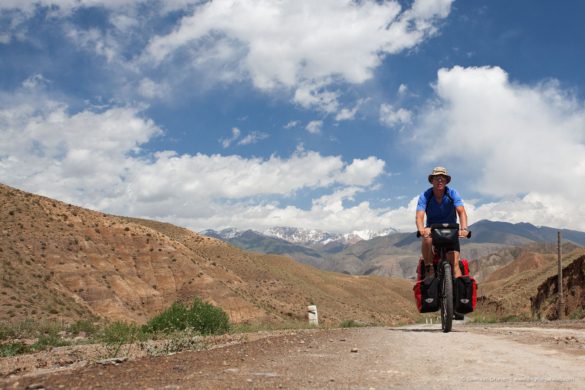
308, 237
319, 237
225, 234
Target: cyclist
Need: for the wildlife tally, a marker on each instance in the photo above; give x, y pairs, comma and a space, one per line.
441, 204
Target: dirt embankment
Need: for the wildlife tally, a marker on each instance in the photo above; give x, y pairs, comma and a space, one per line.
545, 303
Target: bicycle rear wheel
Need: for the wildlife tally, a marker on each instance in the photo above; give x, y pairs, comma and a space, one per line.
447, 298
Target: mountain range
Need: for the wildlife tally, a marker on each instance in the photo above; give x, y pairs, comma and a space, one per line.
387, 253
307, 237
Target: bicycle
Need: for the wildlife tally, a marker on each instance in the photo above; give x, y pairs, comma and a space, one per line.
445, 236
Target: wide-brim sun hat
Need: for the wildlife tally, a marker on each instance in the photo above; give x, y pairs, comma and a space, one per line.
439, 171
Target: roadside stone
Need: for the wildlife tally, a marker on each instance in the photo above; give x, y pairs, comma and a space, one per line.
114, 361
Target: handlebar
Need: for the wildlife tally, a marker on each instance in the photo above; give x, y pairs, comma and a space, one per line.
441, 227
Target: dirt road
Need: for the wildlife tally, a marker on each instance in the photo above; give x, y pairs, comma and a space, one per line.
361, 358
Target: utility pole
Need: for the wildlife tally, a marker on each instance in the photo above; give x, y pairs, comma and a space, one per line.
560, 279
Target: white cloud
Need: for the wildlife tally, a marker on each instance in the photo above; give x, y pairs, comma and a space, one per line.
226, 142
95, 159
389, 116
314, 95
252, 138
248, 139
525, 144
314, 127
152, 90
349, 114
304, 45
292, 124
83, 157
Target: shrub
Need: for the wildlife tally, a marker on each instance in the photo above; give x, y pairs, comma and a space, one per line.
6, 331
202, 317
578, 314
119, 332
47, 341
13, 349
350, 324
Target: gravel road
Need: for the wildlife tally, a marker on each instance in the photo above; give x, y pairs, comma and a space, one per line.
413, 357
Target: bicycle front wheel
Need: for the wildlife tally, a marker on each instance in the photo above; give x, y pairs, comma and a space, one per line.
447, 298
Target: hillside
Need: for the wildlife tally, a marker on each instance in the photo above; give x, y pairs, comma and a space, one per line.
545, 302
511, 260
63, 262
508, 291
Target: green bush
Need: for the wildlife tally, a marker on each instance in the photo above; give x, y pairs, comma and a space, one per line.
577, 314
6, 331
13, 349
350, 324
47, 341
202, 317
119, 332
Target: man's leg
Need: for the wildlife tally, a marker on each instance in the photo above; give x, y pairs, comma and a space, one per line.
427, 253
453, 257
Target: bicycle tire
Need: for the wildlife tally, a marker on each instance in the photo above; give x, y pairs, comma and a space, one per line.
447, 298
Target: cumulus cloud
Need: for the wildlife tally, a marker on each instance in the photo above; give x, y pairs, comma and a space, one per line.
522, 143
96, 159
307, 47
303, 45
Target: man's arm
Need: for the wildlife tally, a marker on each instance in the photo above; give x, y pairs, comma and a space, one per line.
420, 223
462, 220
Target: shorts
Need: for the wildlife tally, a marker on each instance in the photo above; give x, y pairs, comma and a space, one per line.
455, 247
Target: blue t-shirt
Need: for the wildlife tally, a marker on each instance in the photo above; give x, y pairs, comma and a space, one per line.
439, 213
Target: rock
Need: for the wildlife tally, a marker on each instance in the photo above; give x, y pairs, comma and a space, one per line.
114, 361
354, 350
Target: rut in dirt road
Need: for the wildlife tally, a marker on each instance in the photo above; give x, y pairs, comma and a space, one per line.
366, 358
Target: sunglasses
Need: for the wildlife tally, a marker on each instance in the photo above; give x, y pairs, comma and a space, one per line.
440, 178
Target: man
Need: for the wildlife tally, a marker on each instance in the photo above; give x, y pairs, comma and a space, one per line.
441, 204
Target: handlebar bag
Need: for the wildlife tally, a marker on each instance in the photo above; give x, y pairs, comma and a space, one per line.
445, 236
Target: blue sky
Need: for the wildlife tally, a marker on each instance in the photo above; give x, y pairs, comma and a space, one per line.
326, 115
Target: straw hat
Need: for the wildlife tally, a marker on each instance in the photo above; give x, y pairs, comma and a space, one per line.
439, 171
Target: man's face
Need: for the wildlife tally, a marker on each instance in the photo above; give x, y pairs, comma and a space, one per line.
439, 182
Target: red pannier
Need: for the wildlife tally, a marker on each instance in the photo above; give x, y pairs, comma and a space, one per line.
426, 294
465, 290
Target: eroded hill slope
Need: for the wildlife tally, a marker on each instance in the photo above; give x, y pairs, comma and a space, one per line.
64, 262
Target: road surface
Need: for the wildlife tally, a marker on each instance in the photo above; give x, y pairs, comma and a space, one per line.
414, 357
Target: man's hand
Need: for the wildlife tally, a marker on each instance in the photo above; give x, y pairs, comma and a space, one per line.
463, 233
426, 232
